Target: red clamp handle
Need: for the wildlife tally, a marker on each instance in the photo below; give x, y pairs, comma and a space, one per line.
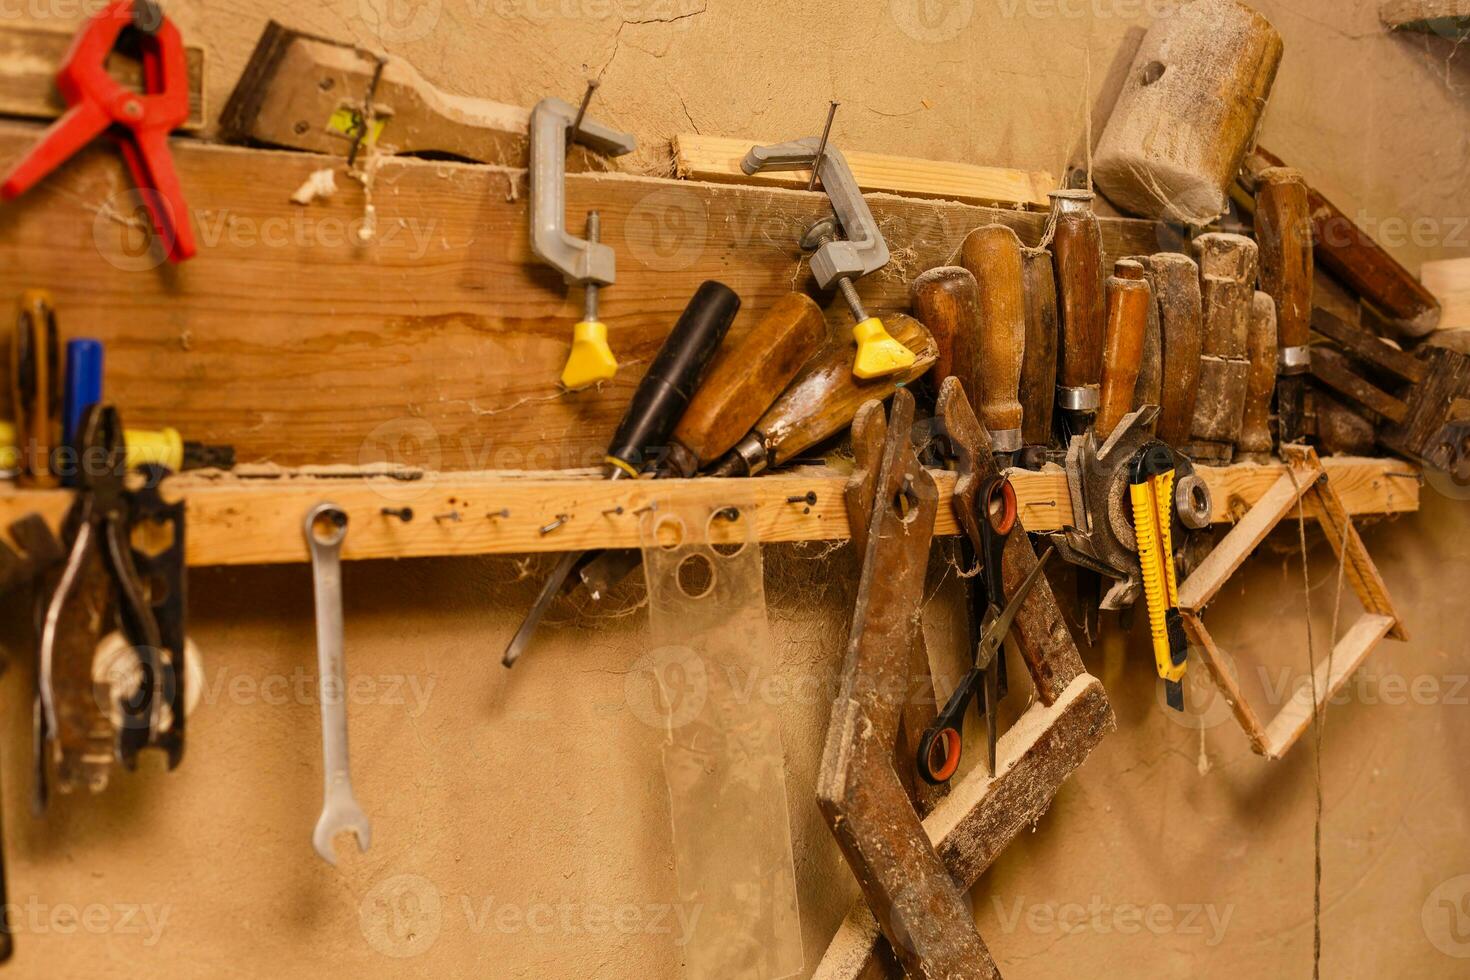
98, 102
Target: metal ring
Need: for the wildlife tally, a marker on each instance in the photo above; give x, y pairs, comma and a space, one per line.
1295, 360
1084, 399
1006, 440
1193, 502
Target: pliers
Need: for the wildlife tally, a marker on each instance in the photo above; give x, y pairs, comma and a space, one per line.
140, 121
101, 587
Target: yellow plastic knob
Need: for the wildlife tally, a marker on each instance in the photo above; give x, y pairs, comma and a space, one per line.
163, 447
591, 359
878, 354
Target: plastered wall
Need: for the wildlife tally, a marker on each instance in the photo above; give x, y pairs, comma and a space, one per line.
521, 819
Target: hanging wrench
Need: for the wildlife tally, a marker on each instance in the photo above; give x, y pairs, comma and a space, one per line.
326, 526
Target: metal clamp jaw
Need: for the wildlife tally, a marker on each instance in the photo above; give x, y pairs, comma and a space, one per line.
580, 261
863, 251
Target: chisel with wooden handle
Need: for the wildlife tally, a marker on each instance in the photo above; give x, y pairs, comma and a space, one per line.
746, 378
947, 301
1255, 425
1129, 299
1077, 249
1284, 231
1176, 287
657, 406
1150, 387
1228, 265
822, 402
1039, 361
36, 388
993, 255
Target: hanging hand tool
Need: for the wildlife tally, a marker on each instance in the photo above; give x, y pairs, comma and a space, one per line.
993, 255
1176, 287
141, 121
35, 387
947, 301
1129, 302
1150, 387
1255, 424
655, 410
1077, 250
1151, 490
1039, 364
859, 792
582, 262
1228, 266
939, 751
326, 527
821, 402
101, 583
743, 382
846, 248
1284, 233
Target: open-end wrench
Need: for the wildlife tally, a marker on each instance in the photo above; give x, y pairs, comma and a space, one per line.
326, 526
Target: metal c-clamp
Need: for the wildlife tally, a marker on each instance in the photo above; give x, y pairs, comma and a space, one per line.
841, 260
582, 261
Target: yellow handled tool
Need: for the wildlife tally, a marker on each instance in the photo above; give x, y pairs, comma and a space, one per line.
1151, 488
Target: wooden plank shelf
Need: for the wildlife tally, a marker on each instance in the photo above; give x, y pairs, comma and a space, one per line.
235, 520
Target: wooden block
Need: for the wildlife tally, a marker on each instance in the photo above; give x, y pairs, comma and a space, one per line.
1449, 280
1449, 18
439, 344
717, 159
31, 56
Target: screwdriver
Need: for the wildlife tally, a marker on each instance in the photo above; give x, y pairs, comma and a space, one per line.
658, 404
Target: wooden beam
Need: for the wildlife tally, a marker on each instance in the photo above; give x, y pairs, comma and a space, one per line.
244, 520
31, 56
442, 336
717, 159
1449, 18
1449, 279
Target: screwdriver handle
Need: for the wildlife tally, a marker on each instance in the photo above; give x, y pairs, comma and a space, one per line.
35, 376
1077, 248
1039, 361
672, 379
947, 301
1129, 299
746, 378
993, 255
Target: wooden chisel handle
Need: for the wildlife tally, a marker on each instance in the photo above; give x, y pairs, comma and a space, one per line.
1176, 286
746, 378
35, 385
1227, 265
823, 400
1255, 425
1077, 248
1129, 299
1284, 231
994, 257
1039, 362
947, 301
1360, 263
1150, 387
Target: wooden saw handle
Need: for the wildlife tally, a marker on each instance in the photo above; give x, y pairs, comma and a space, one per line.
1039, 362
746, 378
993, 255
1129, 299
1077, 248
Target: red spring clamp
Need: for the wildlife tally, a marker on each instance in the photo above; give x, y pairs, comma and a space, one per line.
141, 122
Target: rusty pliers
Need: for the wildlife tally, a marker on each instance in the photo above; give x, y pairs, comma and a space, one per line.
101, 589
